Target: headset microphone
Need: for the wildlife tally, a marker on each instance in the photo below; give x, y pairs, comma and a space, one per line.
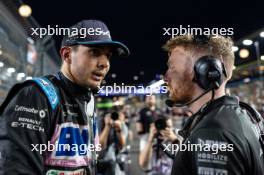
171, 103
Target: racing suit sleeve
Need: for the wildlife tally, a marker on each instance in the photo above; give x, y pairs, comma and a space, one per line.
24, 126
218, 152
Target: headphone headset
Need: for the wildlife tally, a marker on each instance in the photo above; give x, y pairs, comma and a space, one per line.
209, 72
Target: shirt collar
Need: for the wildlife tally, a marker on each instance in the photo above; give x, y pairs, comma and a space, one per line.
74, 89
205, 109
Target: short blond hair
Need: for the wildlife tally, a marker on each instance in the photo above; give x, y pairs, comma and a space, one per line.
218, 46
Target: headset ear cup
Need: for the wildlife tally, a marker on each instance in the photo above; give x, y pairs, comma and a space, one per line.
208, 72
215, 78
200, 73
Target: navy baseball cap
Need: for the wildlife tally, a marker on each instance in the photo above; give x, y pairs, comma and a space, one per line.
93, 33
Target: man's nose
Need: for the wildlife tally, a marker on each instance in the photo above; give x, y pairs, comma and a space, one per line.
165, 78
103, 62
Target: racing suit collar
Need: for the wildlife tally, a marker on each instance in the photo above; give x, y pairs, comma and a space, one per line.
205, 109
74, 89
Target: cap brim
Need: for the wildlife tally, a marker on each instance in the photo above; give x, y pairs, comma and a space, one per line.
120, 48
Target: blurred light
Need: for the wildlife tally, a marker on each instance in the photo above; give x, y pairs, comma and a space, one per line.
118, 103
141, 72
135, 77
128, 147
261, 68
246, 80
234, 48
245, 73
1, 64
28, 78
99, 99
261, 34
1, 52
262, 57
30, 40
21, 75
113, 75
25, 10
19, 79
243, 53
11, 70
247, 42
234, 67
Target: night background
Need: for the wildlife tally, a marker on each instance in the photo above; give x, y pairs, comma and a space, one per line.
139, 25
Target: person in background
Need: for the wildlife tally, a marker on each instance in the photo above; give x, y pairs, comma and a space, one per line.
113, 134
147, 115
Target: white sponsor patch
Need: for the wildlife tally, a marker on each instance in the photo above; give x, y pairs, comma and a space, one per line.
61, 172
211, 171
27, 126
212, 158
41, 113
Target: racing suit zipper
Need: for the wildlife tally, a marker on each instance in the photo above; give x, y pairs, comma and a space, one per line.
90, 120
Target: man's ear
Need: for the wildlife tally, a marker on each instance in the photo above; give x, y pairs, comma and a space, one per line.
65, 53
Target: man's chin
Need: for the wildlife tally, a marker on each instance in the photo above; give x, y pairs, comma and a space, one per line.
177, 99
171, 96
94, 84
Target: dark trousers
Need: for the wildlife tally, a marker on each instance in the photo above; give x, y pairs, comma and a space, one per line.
106, 167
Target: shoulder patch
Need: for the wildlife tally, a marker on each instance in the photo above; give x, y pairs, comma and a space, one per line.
49, 90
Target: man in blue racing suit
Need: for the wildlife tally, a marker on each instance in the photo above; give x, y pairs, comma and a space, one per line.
48, 124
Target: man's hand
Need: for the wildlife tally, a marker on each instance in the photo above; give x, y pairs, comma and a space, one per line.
117, 125
107, 120
152, 132
168, 134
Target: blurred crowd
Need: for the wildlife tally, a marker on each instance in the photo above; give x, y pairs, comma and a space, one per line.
154, 125
146, 123
251, 93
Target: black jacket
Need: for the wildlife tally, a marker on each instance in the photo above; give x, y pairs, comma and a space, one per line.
47, 111
223, 122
